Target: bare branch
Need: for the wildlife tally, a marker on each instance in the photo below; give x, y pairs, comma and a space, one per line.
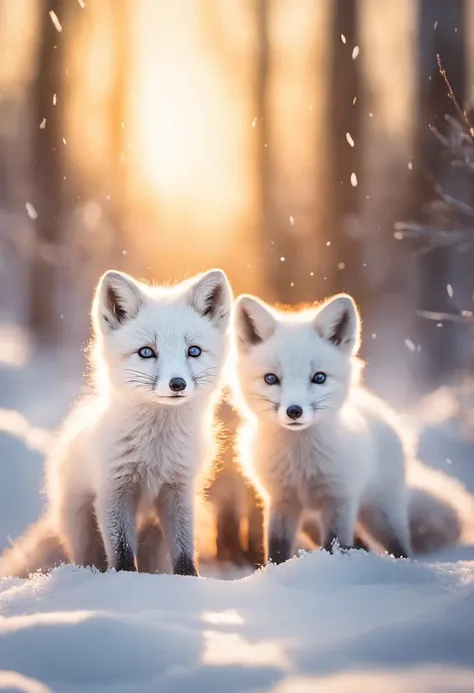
466, 317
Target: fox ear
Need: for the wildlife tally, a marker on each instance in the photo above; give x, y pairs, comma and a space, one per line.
118, 299
338, 321
211, 297
254, 323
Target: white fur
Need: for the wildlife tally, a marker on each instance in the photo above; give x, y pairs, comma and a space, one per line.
441, 510
134, 448
345, 458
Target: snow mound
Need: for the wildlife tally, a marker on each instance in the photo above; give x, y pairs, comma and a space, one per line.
356, 622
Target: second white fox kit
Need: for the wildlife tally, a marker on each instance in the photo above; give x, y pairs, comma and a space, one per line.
314, 438
134, 447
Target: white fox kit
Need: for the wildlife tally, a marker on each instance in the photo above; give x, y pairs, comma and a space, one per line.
314, 438
133, 449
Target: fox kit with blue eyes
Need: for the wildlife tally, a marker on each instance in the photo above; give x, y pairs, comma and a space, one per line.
314, 438
134, 448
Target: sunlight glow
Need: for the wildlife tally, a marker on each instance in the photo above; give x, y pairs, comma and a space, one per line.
226, 649
14, 346
229, 616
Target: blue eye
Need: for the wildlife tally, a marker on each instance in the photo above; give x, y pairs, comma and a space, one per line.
146, 353
271, 379
319, 378
194, 351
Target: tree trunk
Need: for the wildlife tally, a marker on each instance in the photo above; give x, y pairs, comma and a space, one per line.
47, 172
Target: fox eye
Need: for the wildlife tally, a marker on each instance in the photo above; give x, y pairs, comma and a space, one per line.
194, 351
146, 353
319, 378
271, 379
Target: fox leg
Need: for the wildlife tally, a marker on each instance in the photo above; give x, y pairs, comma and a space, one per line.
338, 519
387, 523
81, 536
256, 532
283, 520
176, 512
116, 515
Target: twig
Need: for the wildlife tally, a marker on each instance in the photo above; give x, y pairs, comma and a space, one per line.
467, 318
451, 94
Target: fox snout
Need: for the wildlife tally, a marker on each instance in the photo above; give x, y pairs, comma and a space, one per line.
174, 388
177, 384
294, 415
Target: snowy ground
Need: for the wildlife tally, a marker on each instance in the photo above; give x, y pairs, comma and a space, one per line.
319, 623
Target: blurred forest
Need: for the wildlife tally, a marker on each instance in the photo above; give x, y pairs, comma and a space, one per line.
280, 140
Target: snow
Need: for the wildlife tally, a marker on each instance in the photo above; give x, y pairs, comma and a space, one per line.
31, 211
318, 622
55, 20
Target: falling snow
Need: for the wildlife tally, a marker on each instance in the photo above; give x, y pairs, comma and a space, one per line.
450, 291
82, 4
254, 122
31, 211
282, 259
43, 124
349, 139
353, 180
343, 38
341, 265
55, 100
292, 221
410, 165
328, 243
355, 52
55, 20
410, 345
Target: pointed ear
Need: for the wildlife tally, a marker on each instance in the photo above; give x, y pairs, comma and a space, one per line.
338, 321
254, 323
118, 299
211, 297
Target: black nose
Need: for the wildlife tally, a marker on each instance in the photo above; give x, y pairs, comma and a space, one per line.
294, 412
177, 384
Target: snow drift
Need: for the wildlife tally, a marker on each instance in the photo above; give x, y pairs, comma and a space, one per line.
319, 622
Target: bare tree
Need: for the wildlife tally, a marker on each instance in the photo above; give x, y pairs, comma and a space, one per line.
442, 31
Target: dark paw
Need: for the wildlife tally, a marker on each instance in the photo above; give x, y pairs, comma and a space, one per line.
279, 550
396, 550
126, 563
185, 566
125, 560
